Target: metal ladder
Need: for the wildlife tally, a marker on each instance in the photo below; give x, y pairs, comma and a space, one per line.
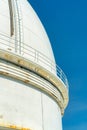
18, 27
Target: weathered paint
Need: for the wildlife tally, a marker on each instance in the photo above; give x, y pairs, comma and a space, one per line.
12, 127
18, 60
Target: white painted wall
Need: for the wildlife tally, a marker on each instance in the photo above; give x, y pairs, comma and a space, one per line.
24, 106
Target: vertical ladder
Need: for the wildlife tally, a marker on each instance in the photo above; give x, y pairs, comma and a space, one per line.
18, 27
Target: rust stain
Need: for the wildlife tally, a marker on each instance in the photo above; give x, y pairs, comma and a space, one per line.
9, 49
14, 127
6, 55
1, 116
4, 73
26, 81
19, 61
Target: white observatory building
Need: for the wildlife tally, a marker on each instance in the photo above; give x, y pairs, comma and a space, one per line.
33, 89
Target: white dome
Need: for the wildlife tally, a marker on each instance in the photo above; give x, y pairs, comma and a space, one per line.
34, 33
28, 37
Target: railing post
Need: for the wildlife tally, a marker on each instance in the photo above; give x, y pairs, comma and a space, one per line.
61, 74
51, 66
37, 56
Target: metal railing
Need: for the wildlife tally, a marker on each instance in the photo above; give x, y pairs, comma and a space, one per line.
7, 43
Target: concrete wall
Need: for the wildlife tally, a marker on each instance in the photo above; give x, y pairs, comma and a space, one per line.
27, 107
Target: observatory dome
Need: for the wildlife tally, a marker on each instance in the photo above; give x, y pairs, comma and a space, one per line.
26, 35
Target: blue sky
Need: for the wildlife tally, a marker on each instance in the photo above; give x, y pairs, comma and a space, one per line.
66, 24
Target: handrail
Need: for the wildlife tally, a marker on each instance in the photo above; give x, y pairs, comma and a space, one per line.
38, 56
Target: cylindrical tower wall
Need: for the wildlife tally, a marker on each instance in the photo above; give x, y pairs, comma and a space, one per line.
24, 106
